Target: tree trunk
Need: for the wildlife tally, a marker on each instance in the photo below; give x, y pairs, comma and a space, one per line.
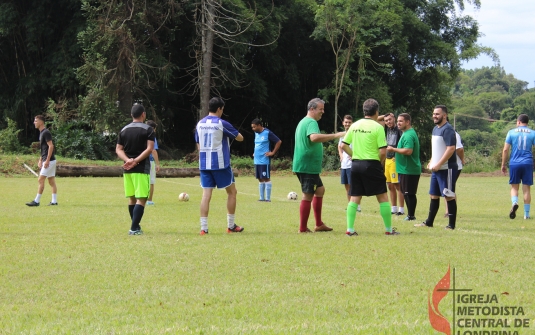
117, 171
207, 50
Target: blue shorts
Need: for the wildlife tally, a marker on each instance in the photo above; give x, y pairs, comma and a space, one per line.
345, 176
262, 171
443, 179
521, 173
221, 178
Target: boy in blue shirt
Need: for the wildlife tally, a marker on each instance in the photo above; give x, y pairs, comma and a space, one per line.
520, 140
263, 141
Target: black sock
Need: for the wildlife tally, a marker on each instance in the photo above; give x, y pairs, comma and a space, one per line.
433, 210
452, 212
411, 201
136, 217
131, 210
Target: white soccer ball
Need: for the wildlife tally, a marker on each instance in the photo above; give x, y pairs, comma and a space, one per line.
183, 197
292, 196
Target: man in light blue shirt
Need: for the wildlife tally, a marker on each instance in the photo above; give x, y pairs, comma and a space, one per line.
520, 140
264, 140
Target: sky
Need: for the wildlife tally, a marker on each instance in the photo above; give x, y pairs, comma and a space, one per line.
508, 27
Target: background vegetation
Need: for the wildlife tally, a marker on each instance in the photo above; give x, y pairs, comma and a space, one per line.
83, 63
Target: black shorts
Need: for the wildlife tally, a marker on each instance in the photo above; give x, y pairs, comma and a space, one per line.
367, 178
309, 182
408, 183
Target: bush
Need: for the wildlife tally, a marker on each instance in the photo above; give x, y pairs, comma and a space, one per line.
75, 140
9, 138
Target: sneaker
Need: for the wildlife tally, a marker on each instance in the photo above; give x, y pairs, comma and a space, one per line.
399, 213
32, 203
52, 204
423, 224
351, 233
267, 200
449, 193
409, 218
323, 227
527, 217
203, 232
306, 231
235, 229
150, 203
261, 200
394, 232
393, 213
449, 228
512, 213
135, 232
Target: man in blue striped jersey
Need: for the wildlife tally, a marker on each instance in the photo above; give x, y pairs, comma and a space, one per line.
520, 140
213, 143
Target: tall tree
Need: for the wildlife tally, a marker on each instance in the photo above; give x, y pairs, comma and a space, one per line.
126, 56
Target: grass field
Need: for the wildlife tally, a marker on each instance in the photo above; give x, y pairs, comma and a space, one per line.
73, 269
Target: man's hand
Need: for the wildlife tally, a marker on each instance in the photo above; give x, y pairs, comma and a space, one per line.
47, 164
504, 169
269, 154
129, 164
157, 167
390, 148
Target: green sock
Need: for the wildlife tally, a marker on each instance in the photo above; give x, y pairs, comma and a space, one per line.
351, 213
384, 207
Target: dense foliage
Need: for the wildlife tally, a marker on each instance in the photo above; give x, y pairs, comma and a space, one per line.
85, 62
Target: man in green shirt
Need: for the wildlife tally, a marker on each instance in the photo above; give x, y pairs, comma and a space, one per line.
308, 156
408, 164
368, 139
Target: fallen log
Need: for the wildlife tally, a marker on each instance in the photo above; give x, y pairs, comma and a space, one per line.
117, 171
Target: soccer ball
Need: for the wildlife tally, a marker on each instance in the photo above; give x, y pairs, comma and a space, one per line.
292, 196
183, 197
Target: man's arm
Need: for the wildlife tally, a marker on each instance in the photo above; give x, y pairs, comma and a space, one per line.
403, 151
325, 137
129, 163
239, 138
447, 154
505, 155
347, 149
341, 151
275, 149
156, 160
382, 156
460, 153
50, 152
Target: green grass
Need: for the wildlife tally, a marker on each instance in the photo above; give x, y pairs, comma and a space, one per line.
72, 269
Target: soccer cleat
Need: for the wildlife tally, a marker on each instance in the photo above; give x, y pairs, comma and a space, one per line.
409, 218
449, 193
512, 213
135, 232
52, 204
351, 233
306, 231
393, 213
262, 200
235, 229
423, 224
267, 200
203, 232
323, 227
527, 217
394, 232
32, 203
150, 203
359, 209
399, 213
449, 228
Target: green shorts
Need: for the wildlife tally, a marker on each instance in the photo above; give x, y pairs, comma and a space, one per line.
136, 185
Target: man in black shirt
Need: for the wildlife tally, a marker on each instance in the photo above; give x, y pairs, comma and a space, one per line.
47, 163
134, 145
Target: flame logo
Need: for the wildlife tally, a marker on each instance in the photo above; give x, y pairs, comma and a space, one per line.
437, 320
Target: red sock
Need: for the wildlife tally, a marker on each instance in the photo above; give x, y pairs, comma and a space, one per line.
317, 203
304, 213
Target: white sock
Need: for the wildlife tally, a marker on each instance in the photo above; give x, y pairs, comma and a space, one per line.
204, 224
38, 198
401, 210
230, 220
54, 198
394, 209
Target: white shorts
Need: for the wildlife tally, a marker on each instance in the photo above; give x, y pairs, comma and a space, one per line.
152, 172
50, 171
